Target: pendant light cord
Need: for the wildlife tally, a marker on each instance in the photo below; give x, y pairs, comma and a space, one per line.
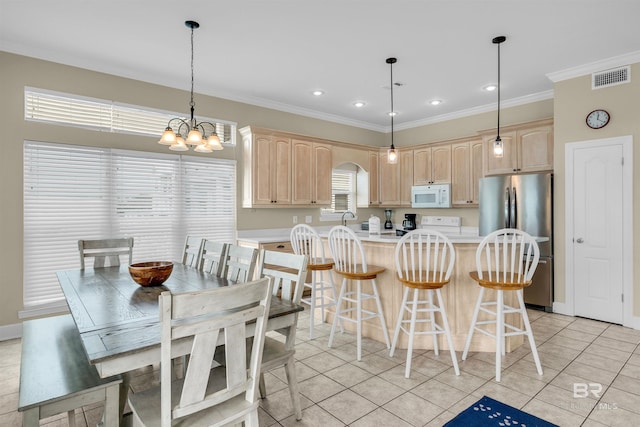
392, 110
192, 104
498, 137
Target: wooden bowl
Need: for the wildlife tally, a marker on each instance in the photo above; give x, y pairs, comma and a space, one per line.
151, 273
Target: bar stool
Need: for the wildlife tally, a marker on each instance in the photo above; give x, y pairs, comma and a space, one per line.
351, 263
424, 261
505, 261
306, 241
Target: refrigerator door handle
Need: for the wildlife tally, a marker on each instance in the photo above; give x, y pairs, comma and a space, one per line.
513, 214
507, 203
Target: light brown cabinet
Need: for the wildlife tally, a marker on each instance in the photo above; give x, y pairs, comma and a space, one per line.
311, 173
466, 168
267, 172
374, 179
527, 148
389, 182
432, 165
406, 176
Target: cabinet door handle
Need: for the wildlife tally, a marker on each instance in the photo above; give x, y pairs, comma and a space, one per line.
280, 246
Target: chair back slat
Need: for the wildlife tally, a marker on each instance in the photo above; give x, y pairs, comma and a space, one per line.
288, 271
306, 241
212, 257
105, 252
240, 263
507, 255
346, 249
424, 255
192, 249
212, 317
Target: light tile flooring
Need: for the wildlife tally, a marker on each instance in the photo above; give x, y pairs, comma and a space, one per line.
337, 390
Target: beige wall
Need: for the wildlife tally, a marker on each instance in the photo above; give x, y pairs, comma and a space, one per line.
574, 99
18, 72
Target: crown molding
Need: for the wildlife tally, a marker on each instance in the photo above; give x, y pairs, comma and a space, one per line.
602, 65
514, 102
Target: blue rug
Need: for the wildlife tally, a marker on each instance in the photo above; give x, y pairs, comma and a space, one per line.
487, 412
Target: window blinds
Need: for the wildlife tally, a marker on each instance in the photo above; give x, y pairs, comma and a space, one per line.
74, 192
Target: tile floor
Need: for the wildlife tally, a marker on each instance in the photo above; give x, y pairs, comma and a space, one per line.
339, 391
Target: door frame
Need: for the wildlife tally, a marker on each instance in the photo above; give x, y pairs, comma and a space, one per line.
627, 223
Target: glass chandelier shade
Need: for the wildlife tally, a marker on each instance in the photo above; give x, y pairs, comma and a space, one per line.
392, 153
201, 135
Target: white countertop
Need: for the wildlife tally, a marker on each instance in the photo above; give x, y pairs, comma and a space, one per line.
282, 235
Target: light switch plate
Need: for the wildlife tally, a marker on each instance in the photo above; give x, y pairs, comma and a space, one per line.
308, 219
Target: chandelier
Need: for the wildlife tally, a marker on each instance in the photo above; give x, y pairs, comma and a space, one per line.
201, 135
392, 154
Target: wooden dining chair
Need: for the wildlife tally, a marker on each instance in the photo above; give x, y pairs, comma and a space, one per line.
289, 272
224, 395
191, 251
212, 257
240, 263
505, 262
424, 262
105, 252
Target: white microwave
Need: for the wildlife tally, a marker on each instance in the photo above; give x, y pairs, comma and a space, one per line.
431, 196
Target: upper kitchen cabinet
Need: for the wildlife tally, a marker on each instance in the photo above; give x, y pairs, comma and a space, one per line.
311, 173
432, 165
267, 169
389, 181
466, 167
405, 161
374, 179
527, 148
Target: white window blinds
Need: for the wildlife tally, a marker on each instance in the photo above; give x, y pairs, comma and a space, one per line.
342, 191
108, 116
73, 192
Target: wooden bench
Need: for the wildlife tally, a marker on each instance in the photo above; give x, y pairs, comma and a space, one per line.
55, 374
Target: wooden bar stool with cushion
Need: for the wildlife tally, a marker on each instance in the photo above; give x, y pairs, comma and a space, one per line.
351, 263
505, 261
424, 261
306, 241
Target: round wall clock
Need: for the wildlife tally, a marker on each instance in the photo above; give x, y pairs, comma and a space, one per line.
598, 119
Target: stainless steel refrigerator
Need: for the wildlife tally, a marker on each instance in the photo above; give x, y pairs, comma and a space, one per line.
524, 202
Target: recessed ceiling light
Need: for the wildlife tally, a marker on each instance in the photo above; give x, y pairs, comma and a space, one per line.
490, 88
435, 102
318, 92
359, 104
392, 113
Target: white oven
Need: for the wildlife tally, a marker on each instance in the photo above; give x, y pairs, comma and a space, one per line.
431, 196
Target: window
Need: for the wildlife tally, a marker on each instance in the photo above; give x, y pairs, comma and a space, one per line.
98, 114
343, 195
77, 192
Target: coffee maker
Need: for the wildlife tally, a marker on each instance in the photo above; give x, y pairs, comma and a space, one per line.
409, 222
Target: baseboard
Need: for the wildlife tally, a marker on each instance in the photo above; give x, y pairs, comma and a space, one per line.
562, 308
9, 332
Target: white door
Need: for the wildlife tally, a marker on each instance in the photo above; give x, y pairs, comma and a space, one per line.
598, 232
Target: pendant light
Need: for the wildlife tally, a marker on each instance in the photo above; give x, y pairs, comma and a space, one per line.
392, 154
201, 135
498, 147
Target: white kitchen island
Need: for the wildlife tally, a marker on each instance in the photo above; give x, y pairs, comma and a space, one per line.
459, 295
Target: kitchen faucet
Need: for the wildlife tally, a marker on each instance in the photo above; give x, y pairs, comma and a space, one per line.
344, 220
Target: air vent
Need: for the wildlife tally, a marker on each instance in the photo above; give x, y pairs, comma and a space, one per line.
616, 76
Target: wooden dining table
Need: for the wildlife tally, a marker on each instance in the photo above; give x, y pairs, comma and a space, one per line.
118, 319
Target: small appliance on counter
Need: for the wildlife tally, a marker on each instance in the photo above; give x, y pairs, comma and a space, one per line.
408, 224
388, 225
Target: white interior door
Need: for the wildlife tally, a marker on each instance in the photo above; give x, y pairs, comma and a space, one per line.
598, 232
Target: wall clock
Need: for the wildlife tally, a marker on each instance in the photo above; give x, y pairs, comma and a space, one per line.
598, 119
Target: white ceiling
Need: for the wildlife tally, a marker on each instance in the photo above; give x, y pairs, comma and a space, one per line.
275, 53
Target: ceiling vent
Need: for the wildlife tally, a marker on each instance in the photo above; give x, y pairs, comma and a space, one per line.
615, 76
